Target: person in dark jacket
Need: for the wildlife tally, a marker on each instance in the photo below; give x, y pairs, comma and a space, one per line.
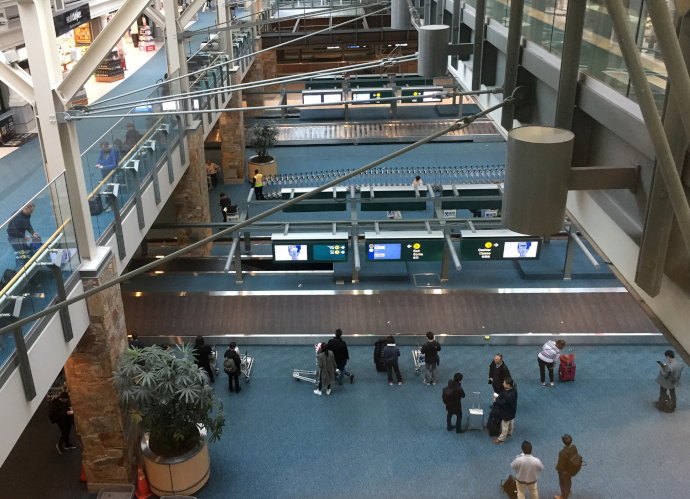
430, 350
18, 228
135, 342
339, 348
107, 163
506, 403
60, 413
132, 137
453, 401
224, 205
669, 378
202, 354
231, 353
498, 372
563, 466
390, 357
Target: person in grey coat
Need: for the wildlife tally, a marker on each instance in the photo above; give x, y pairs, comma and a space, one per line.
669, 378
326, 372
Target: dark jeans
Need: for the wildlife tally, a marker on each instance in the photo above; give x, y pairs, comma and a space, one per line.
236, 377
343, 373
209, 371
65, 430
259, 191
449, 417
393, 366
547, 365
662, 394
565, 482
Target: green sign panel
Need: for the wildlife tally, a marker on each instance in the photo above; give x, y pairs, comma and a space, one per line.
405, 250
500, 248
310, 251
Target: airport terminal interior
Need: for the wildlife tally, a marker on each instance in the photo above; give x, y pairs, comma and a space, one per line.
202, 199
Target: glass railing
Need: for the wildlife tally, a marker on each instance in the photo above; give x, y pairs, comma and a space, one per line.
37, 249
544, 24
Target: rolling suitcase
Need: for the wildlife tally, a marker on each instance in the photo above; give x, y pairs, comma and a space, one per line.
475, 421
378, 355
566, 369
493, 423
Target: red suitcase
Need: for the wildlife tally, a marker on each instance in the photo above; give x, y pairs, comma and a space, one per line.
566, 370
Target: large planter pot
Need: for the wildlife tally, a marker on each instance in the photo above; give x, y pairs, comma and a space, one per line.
270, 168
181, 475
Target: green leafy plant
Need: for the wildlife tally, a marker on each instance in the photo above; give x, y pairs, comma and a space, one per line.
262, 138
169, 397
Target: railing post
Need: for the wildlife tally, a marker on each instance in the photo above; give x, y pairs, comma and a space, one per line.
479, 29
180, 129
569, 256
445, 261
137, 191
22, 354
238, 261
512, 61
165, 129
118, 220
149, 148
62, 296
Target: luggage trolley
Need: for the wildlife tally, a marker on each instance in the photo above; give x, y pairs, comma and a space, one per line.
300, 374
418, 358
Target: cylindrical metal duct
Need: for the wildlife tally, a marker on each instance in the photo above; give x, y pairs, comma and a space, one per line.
536, 180
400, 14
433, 50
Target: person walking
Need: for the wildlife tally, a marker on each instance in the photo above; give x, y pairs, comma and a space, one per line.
506, 405
258, 185
202, 356
452, 397
224, 204
326, 371
669, 379
233, 366
60, 413
430, 351
527, 468
390, 358
563, 467
498, 372
547, 358
339, 348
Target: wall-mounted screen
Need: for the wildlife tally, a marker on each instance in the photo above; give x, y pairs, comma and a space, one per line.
329, 252
520, 249
498, 245
290, 252
310, 247
332, 97
380, 251
311, 98
362, 97
405, 246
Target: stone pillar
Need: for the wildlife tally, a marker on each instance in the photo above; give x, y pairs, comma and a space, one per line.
269, 62
255, 73
231, 127
191, 197
110, 442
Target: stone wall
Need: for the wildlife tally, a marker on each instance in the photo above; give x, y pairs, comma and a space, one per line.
231, 127
190, 197
110, 443
270, 68
255, 73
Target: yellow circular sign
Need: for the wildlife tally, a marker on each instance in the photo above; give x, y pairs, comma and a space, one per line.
371, 246
337, 247
337, 252
488, 245
416, 245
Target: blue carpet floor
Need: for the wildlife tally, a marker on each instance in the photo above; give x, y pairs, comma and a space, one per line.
371, 440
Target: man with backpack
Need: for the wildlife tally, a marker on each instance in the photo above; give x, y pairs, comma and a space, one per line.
452, 396
569, 464
339, 348
232, 366
430, 351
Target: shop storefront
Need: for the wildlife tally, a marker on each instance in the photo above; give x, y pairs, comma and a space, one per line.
74, 34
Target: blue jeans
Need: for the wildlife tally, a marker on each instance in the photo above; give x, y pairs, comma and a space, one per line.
430, 375
343, 372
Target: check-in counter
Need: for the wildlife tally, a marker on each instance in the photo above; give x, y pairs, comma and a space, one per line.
453, 197
337, 199
384, 193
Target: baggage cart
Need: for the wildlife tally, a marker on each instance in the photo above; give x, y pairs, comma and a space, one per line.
213, 360
418, 358
303, 375
475, 421
117, 492
246, 364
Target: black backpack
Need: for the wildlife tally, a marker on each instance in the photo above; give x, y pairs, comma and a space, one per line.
446, 394
229, 365
575, 464
7, 277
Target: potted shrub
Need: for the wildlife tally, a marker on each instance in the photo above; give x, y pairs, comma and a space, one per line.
262, 138
171, 400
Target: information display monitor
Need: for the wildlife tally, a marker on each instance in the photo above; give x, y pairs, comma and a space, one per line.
290, 253
405, 246
498, 245
310, 247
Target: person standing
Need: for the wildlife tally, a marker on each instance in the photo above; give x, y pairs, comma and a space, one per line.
135, 342
258, 185
498, 372
417, 181
224, 204
452, 397
326, 371
107, 163
430, 350
506, 404
547, 358
233, 374
132, 137
669, 379
212, 171
60, 413
18, 228
527, 468
202, 356
563, 466
339, 348
390, 358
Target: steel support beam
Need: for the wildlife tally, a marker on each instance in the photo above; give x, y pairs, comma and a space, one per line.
99, 48
643, 92
659, 218
512, 60
603, 177
18, 80
189, 12
65, 320
570, 63
569, 255
479, 31
156, 15
177, 58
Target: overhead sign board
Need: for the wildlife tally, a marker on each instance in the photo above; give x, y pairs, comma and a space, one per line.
310, 247
66, 21
404, 246
498, 245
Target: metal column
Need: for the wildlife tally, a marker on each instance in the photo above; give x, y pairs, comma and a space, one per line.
238, 260
512, 61
62, 296
137, 191
479, 29
445, 259
150, 150
455, 32
165, 129
569, 255
117, 222
356, 263
570, 63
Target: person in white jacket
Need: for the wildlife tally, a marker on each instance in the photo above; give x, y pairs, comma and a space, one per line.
527, 468
547, 358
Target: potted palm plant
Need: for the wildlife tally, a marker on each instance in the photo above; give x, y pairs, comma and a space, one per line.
262, 138
170, 398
